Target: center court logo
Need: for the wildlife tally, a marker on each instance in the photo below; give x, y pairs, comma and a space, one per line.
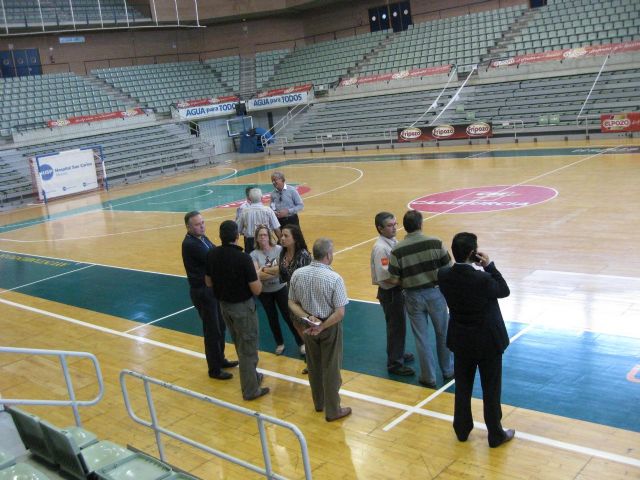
484, 199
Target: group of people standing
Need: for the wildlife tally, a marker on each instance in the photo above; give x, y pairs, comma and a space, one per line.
415, 275
277, 268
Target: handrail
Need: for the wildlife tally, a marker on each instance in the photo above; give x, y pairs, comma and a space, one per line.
590, 91
260, 418
586, 118
291, 114
342, 137
434, 104
455, 96
62, 355
514, 122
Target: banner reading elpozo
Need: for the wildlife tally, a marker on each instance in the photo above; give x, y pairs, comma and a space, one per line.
65, 173
620, 122
445, 132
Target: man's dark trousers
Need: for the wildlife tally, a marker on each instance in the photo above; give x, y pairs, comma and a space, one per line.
212, 326
392, 302
491, 380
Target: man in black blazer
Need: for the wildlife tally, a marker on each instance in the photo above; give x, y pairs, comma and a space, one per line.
476, 335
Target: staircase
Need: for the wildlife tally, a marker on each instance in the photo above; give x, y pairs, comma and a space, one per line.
248, 86
508, 36
356, 71
130, 102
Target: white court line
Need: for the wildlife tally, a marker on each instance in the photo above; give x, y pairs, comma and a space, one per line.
45, 279
367, 398
442, 389
158, 319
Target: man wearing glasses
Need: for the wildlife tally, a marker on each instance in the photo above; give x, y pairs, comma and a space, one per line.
390, 295
285, 201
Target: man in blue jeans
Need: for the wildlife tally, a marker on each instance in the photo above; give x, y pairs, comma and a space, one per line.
413, 264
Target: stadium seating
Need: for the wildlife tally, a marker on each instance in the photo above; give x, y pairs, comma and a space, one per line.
29, 102
128, 155
457, 40
559, 97
157, 86
324, 62
228, 68
266, 63
577, 23
26, 13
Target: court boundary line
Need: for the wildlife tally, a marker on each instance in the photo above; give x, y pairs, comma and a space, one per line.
47, 278
444, 388
364, 397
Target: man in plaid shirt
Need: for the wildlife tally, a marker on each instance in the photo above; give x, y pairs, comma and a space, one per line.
317, 296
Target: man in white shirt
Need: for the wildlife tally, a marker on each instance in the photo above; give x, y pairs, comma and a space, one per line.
390, 295
253, 215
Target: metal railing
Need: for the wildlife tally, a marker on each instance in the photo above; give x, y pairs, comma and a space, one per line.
72, 402
585, 119
515, 123
158, 430
340, 136
591, 91
282, 123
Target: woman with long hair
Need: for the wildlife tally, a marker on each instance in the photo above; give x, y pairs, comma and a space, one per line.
294, 254
274, 292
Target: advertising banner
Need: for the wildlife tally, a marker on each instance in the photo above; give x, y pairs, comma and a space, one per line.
99, 117
204, 108
65, 173
385, 77
445, 132
620, 122
587, 51
278, 101
282, 91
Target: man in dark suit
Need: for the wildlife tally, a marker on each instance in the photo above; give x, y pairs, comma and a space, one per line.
476, 335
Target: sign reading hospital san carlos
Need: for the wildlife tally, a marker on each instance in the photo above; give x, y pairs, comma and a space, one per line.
66, 173
205, 108
483, 199
280, 98
445, 132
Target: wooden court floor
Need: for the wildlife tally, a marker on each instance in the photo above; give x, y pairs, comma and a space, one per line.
571, 262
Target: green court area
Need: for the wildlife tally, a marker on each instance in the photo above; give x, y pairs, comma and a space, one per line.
575, 374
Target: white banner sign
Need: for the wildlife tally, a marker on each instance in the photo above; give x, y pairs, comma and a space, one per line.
65, 173
280, 101
204, 111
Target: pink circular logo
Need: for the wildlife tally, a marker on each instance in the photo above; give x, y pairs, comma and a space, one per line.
483, 199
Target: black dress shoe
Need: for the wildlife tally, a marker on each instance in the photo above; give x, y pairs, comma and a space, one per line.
319, 409
221, 375
263, 391
508, 436
448, 379
402, 371
343, 412
408, 357
229, 363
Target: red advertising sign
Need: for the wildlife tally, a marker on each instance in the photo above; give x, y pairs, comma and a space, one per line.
445, 132
285, 91
587, 51
206, 101
620, 122
385, 77
100, 117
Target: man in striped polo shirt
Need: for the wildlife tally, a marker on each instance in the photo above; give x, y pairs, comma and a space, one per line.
414, 264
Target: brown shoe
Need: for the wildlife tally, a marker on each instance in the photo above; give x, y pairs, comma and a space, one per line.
343, 412
262, 392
